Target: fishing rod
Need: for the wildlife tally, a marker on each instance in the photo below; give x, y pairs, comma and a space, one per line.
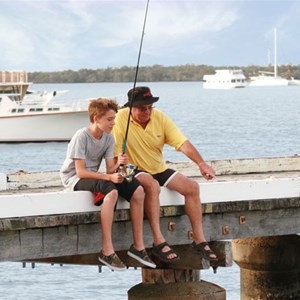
135, 80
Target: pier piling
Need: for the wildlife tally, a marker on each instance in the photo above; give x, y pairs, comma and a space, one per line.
163, 284
269, 267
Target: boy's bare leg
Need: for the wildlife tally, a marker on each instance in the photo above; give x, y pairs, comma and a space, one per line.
152, 208
107, 215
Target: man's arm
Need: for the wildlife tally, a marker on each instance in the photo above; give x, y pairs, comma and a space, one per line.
113, 164
188, 149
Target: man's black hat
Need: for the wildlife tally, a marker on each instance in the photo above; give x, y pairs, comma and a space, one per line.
140, 95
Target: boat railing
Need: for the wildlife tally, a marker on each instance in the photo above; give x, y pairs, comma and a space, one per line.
76, 105
266, 73
13, 77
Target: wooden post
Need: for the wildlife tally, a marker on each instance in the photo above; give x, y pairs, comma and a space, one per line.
162, 284
270, 267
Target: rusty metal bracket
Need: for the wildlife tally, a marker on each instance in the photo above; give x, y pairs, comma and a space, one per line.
242, 219
225, 229
171, 226
190, 235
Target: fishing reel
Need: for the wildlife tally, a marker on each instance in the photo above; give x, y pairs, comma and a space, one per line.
127, 172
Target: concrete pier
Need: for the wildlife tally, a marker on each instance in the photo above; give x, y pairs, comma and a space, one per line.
269, 267
254, 202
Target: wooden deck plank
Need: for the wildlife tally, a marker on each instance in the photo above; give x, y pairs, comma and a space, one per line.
51, 203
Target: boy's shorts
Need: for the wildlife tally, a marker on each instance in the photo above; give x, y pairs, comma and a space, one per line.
102, 187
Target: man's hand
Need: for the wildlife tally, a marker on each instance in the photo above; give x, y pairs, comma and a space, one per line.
207, 171
122, 159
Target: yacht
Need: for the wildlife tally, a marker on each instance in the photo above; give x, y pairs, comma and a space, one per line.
225, 79
270, 78
34, 116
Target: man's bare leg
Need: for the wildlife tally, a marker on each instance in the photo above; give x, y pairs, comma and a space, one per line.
191, 192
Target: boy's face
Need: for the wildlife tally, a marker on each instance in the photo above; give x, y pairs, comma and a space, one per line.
106, 122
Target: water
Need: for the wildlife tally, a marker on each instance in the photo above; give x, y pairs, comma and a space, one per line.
53, 282
240, 123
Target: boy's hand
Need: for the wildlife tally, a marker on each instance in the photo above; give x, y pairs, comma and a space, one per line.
116, 178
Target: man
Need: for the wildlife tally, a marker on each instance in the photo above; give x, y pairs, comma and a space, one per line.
149, 130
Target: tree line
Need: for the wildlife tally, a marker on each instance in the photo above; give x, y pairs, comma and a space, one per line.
188, 72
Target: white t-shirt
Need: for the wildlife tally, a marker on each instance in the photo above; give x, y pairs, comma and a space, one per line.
84, 146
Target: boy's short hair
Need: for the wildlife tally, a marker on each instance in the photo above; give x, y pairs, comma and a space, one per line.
99, 107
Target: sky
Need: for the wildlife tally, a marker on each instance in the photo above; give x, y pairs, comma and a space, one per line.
57, 35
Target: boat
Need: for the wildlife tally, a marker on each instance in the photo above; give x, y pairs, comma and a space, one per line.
225, 79
291, 79
269, 78
28, 116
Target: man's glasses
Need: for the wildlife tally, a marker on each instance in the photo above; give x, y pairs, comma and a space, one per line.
144, 108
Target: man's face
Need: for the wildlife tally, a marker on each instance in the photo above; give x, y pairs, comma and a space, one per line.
141, 114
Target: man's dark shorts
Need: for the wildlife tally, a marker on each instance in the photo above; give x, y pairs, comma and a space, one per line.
163, 178
125, 189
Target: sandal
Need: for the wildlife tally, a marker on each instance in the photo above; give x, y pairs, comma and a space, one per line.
163, 256
207, 254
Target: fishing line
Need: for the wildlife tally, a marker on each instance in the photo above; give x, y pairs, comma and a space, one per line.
135, 80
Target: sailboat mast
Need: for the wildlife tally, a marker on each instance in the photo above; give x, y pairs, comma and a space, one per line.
275, 52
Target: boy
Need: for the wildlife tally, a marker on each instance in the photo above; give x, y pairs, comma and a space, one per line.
85, 152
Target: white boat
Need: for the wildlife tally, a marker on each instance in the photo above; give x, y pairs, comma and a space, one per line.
35, 117
293, 81
225, 79
269, 78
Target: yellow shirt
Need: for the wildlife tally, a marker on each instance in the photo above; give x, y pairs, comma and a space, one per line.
144, 147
